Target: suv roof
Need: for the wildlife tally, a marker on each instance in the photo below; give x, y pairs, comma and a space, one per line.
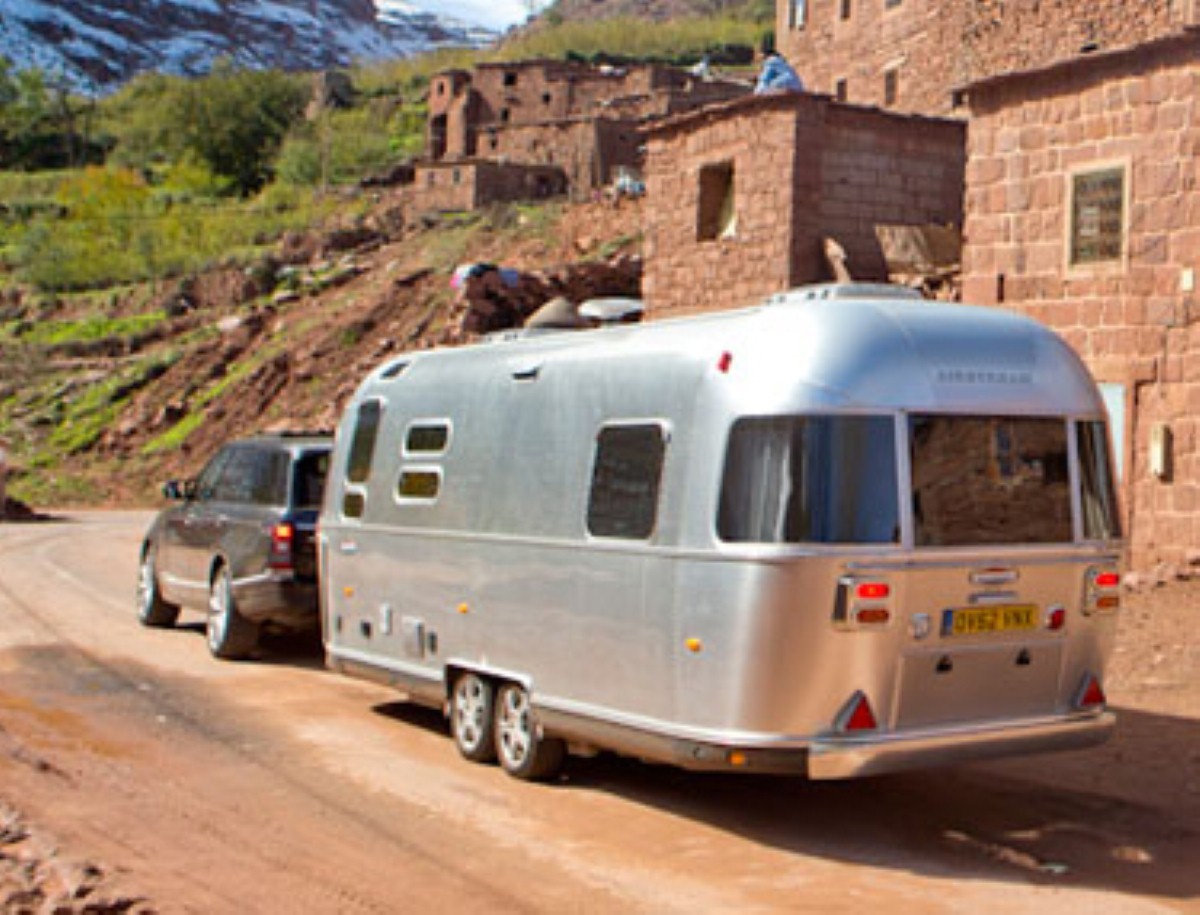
289, 438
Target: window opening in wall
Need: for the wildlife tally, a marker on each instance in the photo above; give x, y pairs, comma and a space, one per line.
891, 4
841, 90
510, 78
717, 216
1097, 216
891, 87
546, 98
799, 13
504, 115
845, 9
456, 176
623, 501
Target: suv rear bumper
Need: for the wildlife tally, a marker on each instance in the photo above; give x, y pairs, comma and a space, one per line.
278, 598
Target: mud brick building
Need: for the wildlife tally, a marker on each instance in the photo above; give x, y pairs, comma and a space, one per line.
1083, 211
916, 55
474, 183
741, 196
578, 117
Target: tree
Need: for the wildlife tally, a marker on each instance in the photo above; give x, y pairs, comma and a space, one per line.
235, 120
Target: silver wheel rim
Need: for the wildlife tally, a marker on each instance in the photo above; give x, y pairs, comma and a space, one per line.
513, 727
470, 711
218, 611
145, 589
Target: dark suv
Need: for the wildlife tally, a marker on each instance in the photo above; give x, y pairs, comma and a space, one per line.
241, 542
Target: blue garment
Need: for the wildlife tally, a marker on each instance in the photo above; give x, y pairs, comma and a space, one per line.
777, 74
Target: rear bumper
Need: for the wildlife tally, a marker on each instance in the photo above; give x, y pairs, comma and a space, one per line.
851, 757
279, 599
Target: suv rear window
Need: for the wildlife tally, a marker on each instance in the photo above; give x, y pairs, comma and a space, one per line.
308, 479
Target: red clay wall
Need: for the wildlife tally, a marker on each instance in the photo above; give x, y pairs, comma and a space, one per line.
1135, 319
937, 46
803, 168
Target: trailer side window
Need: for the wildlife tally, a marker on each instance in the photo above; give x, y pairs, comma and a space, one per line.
810, 479
362, 452
1099, 500
625, 478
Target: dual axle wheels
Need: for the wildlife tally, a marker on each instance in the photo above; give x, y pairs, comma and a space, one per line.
494, 721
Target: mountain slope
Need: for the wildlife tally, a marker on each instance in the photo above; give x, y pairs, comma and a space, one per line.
97, 46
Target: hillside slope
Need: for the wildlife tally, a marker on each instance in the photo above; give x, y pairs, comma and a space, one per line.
104, 418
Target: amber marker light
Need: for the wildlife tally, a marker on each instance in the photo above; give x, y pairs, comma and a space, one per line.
694, 645
463, 609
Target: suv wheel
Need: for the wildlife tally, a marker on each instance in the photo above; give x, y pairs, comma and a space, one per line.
230, 635
152, 610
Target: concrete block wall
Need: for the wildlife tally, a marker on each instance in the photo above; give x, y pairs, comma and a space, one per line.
1136, 319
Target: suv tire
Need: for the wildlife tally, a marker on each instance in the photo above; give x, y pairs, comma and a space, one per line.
230, 635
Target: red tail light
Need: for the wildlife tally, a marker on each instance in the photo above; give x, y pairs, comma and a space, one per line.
857, 715
1103, 590
283, 535
1091, 695
871, 590
1107, 580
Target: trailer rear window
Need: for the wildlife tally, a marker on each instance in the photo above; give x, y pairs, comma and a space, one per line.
1098, 493
624, 495
810, 479
990, 480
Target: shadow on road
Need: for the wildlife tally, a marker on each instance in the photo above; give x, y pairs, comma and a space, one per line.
1114, 818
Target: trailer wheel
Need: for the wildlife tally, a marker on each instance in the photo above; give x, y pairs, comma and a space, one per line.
524, 753
472, 710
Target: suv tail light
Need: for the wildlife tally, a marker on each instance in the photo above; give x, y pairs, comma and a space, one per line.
283, 537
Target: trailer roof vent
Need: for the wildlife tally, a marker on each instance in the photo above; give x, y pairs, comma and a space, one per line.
845, 291
613, 310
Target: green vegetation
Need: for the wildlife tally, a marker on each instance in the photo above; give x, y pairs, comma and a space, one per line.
96, 327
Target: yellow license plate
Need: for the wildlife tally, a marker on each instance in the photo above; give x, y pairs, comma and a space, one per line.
982, 620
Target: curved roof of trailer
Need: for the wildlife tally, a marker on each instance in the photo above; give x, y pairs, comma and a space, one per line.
825, 347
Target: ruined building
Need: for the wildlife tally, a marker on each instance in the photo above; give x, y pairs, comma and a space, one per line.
546, 127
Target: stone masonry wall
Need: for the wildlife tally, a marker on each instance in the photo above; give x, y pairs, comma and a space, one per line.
938, 46
1134, 318
803, 168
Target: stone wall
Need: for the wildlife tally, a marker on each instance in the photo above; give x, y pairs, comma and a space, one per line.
935, 47
794, 168
468, 185
1131, 308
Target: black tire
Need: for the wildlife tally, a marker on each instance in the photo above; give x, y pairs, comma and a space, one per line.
152, 610
524, 752
230, 635
472, 721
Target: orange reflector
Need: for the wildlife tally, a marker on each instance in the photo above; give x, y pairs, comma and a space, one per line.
464, 609
873, 615
861, 718
1112, 602
694, 645
737, 758
1092, 695
1107, 580
872, 590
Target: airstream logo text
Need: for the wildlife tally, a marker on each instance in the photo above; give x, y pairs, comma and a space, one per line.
983, 376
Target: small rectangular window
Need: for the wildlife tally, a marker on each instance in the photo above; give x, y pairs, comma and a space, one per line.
841, 90
362, 445
891, 87
419, 485
1097, 216
845, 9
625, 480
799, 13
716, 216
427, 438
891, 4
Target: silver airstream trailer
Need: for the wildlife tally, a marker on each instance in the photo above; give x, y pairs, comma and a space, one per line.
845, 532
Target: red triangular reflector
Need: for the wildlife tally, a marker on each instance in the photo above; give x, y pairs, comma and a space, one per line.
1092, 695
861, 717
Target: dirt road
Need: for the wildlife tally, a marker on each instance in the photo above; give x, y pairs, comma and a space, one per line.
138, 774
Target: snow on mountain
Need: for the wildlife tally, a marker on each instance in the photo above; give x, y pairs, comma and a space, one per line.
96, 46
